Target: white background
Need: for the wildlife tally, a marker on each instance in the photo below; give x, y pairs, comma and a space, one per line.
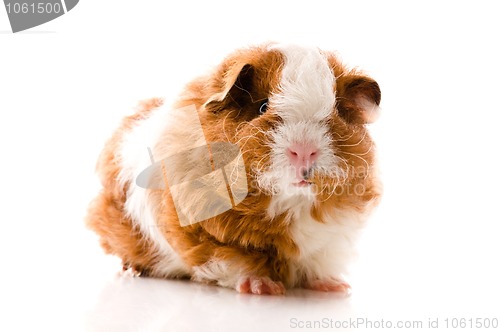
432, 248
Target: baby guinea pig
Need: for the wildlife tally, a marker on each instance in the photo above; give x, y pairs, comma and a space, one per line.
282, 211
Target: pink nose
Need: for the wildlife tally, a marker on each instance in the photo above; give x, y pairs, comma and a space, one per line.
302, 157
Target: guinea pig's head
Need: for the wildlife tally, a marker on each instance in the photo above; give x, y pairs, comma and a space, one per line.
299, 117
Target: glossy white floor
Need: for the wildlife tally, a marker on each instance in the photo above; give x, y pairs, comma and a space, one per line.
431, 251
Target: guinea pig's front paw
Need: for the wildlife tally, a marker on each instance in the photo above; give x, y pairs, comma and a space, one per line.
260, 285
132, 271
329, 285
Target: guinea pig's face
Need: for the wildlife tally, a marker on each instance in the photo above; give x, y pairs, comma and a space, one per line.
299, 118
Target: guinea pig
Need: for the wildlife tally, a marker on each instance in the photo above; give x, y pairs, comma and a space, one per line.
294, 122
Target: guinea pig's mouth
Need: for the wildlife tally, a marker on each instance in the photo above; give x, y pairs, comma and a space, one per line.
303, 183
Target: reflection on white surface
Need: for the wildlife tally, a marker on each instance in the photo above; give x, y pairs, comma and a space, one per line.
390, 284
133, 304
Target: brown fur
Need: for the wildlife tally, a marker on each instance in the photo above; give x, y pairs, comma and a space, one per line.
106, 213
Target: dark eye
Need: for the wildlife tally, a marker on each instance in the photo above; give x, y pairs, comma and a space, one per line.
263, 107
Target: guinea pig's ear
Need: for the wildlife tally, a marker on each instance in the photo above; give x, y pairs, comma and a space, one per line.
236, 84
358, 98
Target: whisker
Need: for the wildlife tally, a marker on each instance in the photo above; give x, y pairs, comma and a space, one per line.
242, 89
343, 138
359, 142
224, 126
358, 156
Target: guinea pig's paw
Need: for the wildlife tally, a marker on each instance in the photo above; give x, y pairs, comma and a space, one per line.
131, 271
329, 285
260, 285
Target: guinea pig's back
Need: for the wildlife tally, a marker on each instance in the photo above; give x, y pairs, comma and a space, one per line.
123, 214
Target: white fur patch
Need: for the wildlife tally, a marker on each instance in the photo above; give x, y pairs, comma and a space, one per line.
219, 271
306, 86
305, 99
135, 158
326, 249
